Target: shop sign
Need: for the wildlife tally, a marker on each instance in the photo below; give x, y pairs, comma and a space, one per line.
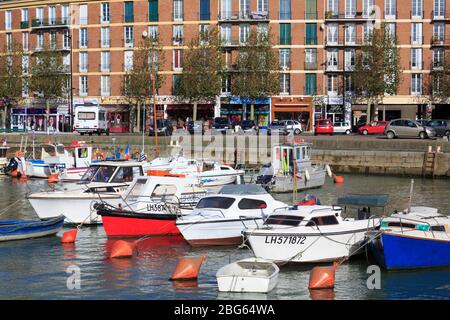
239, 100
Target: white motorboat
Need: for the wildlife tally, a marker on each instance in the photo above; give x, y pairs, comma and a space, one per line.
3, 151
309, 234
219, 219
105, 181
209, 173
82, 155
248, 275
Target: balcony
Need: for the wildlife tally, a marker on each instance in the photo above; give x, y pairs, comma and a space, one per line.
49, 23
24, 24
228, 43
440, 41
39, 49
440, 16
243, 16
357, 16
344, 42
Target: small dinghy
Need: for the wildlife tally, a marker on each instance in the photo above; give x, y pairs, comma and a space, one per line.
27, 229
248, 275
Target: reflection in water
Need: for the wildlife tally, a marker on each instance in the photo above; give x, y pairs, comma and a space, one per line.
324, 294
36, 269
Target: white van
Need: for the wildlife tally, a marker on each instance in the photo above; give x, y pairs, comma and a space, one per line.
90, 119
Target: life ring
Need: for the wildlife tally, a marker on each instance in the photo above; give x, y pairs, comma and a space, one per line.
100, 155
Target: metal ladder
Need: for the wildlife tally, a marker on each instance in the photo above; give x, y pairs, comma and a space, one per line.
429, 164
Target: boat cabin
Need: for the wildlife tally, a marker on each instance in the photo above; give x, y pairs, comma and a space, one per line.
364, 204
309, 216
417, 218
112, 172
81, 153
284, 155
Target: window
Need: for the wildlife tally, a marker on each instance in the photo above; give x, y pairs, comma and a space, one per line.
244, 9
83, 14
262, 29
177, 34
25, 37
40, 40
25, 87
285, 9
416, 59
25, 64
105, 61
104, 11
215, 203
285, 58
225, 9
104, 37
105, 86
203, 31
52, 36
251, 204
285, 33
262, 6
350, 33
125, 174
438, 58
83, 61
244, 30
389, 28
310, 59
51, 15
83, 87
65, 14
350, 55
310, 84
333, 7
439, 9
8, 20
176, 78
225, 33
128, 60
416, 84
390, 9
153, 10
83, 38
322, 221
153, 32
311, 10
285, 83
332, 33
367, 31
177, 10
368, 8
350, 8
416, 33
284, 220
129, 11
66, 39
332, 59
332, 84
40, 14
128, 33
417, 9
177, 59
226, 85
311, 34
438, 32
24, 18
348, 83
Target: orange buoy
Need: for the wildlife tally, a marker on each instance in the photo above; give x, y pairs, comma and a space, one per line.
188, 268
69, 236
23, 177
53, 178
322, 277
122, 249
14, 173
325, 294
338, 179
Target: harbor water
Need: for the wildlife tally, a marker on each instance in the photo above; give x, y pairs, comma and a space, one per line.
42, 268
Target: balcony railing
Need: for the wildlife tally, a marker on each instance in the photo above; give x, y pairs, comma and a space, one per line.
416, 16
359, 15
229, 16
440, 41
50, 23
440, 15
311, 15
344, 41
177, 40
24, 24
38, 49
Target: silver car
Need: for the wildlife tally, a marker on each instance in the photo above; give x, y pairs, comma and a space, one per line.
406, 128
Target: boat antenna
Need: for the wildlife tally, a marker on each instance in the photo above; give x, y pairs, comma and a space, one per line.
410, 195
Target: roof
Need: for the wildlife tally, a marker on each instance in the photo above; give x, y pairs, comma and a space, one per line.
242, 189
119, 163
370, 200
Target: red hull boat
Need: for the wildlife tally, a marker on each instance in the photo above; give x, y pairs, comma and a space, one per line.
122, 223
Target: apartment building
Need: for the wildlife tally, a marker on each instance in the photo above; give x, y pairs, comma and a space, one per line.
316, 41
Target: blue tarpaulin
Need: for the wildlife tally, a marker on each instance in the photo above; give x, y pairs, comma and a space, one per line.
370, 200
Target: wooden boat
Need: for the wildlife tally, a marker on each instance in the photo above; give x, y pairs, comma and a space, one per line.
27, 229
248, 275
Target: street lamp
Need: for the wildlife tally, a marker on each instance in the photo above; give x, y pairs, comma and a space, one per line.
69, 36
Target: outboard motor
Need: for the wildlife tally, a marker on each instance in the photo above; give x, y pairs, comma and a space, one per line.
12, 165
265, 175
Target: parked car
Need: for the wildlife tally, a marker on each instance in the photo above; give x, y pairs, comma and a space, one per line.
376, 127
293, 126
221, 124
362, 121
249, 126
164, 126
342, 127
195, 127
323, 126
442, 127
277, 127
423, 122
407, 128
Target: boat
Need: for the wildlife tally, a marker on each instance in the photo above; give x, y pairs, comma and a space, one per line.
218, 219
27, 229
310, 234
150, 207
208, 173
248, 275
418, 237
3, 159
291, 167
81, 156
103, 181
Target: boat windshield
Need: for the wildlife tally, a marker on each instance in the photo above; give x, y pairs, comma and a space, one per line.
3, 152
215, 203
285, 220
98, 174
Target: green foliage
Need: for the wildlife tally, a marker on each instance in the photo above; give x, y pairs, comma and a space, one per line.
11, 74
439, 81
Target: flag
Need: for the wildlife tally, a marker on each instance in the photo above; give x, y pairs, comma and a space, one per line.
142, 157
127, 152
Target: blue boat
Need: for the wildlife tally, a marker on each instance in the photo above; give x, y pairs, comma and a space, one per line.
23, 229
419, 238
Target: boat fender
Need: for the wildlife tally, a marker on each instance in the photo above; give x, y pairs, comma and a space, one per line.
69, 236
322, 278
122, 249
447, 228
307, 176
338, 179
53, 178
188, 268
328, 168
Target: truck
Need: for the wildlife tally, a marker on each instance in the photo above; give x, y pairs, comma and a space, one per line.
90, 118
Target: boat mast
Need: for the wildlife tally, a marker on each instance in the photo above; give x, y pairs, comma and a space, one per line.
410, 195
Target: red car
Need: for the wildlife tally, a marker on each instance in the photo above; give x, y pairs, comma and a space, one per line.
323, 126
376, 127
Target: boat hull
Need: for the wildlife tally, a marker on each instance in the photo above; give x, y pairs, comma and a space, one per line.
127, 224
20, 230
395, 251
246, 284
72, 174
286, 183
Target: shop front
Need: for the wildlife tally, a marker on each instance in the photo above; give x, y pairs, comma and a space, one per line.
180, 112
28, 119
118, 118
293, 108
234, 109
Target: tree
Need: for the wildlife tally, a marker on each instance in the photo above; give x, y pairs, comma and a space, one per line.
203, 68
257, 69
11, 79
137, 81
49, 77
377, 70
438, 85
